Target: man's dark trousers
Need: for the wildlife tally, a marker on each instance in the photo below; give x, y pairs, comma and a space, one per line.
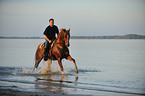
46, 50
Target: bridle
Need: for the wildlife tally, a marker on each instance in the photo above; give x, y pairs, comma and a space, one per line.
63, 37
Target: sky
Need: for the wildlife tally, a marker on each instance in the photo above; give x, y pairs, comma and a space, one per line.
84, 17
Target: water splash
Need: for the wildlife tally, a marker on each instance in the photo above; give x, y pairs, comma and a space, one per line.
49, 68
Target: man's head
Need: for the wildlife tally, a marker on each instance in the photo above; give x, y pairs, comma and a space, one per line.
51, 22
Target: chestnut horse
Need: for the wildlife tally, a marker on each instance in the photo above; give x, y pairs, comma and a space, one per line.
58, 50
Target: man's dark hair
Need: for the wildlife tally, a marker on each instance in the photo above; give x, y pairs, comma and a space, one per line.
51, 19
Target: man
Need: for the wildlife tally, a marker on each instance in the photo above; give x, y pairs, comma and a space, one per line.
49, 35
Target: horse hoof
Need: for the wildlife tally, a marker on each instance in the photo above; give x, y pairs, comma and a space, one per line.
62, 72
35, 69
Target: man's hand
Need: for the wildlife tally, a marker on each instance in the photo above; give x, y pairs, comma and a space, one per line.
49, 41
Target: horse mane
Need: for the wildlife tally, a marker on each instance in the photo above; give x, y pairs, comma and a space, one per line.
64, 30
60, 33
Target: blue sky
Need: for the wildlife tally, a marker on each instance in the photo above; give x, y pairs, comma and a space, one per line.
84, 17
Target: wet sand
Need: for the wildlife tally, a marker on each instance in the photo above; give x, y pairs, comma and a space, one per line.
11, 92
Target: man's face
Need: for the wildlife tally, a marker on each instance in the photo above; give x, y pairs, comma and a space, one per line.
51, 23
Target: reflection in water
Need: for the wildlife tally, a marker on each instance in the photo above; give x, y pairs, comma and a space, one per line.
55, 83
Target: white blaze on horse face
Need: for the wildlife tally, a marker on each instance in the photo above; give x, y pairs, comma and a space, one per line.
66, 40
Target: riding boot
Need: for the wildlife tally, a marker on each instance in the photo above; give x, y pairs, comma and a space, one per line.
45, 54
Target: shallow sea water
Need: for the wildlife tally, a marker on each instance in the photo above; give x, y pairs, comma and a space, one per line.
106, 68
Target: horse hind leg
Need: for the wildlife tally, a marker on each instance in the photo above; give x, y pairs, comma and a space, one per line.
71, 59
38, 56
37, 61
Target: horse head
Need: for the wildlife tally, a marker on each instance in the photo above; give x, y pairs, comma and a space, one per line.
66, 35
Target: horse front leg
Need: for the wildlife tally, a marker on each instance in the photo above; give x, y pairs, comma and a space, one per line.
49, 62
71, 59
60, 65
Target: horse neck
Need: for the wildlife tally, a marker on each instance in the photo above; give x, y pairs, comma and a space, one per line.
59, 38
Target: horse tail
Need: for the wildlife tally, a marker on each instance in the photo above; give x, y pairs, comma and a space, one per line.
39, 54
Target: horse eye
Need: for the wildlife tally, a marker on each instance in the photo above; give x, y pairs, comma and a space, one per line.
65, 36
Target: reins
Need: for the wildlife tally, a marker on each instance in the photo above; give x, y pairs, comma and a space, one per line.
55, 41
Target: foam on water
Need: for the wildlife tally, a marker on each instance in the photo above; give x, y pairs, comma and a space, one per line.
47, 68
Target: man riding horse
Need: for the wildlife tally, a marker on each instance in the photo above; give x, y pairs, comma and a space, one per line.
59, 50
49, 35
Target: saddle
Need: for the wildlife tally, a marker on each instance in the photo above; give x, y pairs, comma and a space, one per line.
43, 44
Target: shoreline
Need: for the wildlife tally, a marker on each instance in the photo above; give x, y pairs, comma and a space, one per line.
128, 36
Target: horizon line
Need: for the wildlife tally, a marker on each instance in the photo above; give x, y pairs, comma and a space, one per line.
71, 36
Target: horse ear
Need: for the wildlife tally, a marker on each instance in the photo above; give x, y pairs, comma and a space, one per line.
69, 29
